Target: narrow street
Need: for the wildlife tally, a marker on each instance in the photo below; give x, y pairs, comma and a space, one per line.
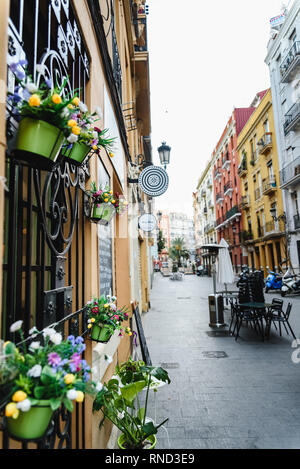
250, 398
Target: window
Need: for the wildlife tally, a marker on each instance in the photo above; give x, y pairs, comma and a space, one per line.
267, 126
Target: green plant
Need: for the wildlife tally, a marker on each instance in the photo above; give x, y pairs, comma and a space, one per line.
179, 251
54, 371
106, 195
104, 311
161, 244
120, 401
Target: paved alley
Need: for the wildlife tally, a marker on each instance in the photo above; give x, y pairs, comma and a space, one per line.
250, 398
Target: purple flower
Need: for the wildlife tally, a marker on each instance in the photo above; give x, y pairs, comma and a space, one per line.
20, 74
79, 340
23, 63
75, 362
54, 359
48, 82
86, 377
71, 339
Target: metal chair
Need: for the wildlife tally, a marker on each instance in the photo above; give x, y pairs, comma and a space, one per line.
249, 316
280, 317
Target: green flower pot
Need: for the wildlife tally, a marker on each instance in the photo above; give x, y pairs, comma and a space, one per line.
101, 333
122, 440
33, 424
77, 154
103, 213
38, 143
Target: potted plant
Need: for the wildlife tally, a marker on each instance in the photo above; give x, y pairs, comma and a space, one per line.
104, 318
120, 402
43, 113
49, 375
85, 136
8, 371
105, 204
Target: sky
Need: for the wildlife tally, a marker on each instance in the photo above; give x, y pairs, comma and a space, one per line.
206, 57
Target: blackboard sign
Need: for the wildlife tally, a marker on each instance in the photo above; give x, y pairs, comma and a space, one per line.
105, 242
142, 339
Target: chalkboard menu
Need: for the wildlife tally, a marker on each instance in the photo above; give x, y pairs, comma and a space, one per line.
105, 243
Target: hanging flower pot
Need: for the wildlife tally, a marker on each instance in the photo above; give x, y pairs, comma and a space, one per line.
77, 154
102, 213
33, 424
101, 333
151, 440
38, 143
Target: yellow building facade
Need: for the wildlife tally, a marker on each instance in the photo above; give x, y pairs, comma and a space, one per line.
263, 238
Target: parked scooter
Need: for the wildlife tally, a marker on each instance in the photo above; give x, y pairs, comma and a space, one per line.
273, 281
290, 284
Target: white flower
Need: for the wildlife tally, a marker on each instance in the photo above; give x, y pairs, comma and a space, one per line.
98, 111
108, 358
83, 107
24, 406
33, 331
35, 371
56, 338
95, 135
48, 332
113, 306
40, 68
113, 298
32, 87
72, 394
72, 138
35, 345
121, 415
99, 386
16, 326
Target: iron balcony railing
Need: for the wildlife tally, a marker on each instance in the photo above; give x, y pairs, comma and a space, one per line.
219, 197
290, 59
226, 159
290, 172
228, 186
265, 142
292, 118
218, 173
233, 211
269, 185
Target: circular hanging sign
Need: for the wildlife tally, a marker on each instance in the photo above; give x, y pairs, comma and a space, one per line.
154, 181
147, 222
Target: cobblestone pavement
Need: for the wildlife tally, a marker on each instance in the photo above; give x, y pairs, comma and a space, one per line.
248, 399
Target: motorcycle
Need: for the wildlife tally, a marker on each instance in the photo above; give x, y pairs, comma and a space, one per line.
290, 284
273, 281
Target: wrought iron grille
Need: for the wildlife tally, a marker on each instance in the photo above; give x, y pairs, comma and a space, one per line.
44, 260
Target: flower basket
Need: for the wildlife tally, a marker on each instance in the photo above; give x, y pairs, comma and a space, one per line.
77, 154
33, 424
101, 333
122, 440
102, 213
38, 143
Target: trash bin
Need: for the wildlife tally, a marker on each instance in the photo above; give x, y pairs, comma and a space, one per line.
216, 311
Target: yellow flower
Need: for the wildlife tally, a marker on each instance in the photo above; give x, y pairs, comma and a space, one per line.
11, 410
90, 326
113, 201
76, 101
72, 123
93, 320
111, 154
76, 130
19, 396
130, 334
110, 192
69, 378
70, 106
56, 99
106, 200
34, 100
95, 147
80, 396
106, 305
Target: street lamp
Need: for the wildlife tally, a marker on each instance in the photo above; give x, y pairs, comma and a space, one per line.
284, 219
164, 154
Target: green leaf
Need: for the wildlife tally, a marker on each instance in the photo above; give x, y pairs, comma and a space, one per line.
48, 375
141, 414
55, 403
68, 404
39, 392
149, 429
33, 401
130, 391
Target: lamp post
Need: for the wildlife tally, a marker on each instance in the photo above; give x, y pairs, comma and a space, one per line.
164, 154
284, 219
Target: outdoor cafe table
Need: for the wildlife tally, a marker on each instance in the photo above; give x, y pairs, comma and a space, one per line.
260, 308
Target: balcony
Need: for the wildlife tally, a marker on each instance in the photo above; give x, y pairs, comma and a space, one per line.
245, 203
226, 162
270, 226
228, 189
290, 175
297, 221
247, 236
218, 173
269, 186
220, 198
266, 144
292, 119
257, 194
243, 169
273, 229
291, 64
234, 211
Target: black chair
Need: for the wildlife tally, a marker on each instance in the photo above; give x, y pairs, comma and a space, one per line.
248, 316
280, 317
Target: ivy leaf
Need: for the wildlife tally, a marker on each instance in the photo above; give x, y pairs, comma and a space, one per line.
68, 404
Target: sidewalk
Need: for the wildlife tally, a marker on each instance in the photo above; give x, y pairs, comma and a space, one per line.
250, 398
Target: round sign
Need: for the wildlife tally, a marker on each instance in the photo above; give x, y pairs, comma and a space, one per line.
154, 181
147, 222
